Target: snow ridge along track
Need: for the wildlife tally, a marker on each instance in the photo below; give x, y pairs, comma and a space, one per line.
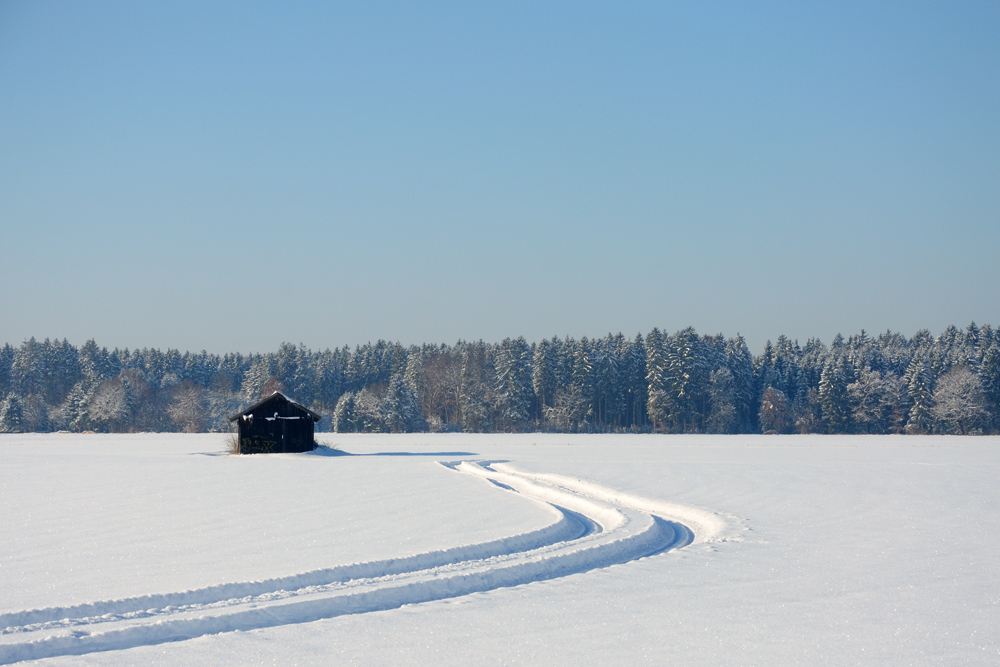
593, 526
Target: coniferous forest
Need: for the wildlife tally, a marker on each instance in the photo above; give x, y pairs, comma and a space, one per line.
666, 383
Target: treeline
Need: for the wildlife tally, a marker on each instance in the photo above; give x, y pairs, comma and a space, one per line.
676, 383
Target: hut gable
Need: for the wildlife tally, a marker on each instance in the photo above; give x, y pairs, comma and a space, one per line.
276, 424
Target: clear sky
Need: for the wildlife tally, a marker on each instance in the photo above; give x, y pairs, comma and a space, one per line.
228, 176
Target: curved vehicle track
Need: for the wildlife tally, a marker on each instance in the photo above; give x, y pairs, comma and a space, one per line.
593, 526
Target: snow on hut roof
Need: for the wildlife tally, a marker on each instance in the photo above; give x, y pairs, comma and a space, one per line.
315, 417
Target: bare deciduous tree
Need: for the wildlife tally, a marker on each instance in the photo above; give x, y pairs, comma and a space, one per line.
188, 408
775, 413
112, 404
960, 406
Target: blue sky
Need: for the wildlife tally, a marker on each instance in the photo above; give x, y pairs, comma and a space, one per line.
227, 176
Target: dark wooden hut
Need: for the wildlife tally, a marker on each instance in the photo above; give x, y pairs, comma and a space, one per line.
276, 424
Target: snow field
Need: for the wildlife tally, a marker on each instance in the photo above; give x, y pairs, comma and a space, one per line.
90, 518
832, 550
598, 536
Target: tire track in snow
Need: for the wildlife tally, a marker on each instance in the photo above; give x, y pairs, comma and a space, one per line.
593, 527
563, 527
707, 526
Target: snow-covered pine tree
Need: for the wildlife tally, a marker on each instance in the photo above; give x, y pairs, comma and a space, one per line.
583, 378
6, 359
285, 366
658, 401
513, 386
475, 393
329, 379
294, 368
413, 376
895, 402
543, 372
623, 361
763, 369
739, 361
945, 351
786, 366
722, 416
29, 368
172, 370
304, 379
564, 362
255, 379
345, 418
75, 415
64, 371
711, 356
402, 413
811, 362
604, 370
833, 398
868, 401
635, 386
686, 379
919, 389
370, 407
197, 368
989, 378
11, 414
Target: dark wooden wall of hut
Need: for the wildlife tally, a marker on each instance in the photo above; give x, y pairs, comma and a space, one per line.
276, 426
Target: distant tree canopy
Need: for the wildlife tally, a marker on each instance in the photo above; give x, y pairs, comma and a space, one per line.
672, 383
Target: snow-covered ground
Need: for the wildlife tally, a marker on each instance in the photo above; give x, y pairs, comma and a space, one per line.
527, 549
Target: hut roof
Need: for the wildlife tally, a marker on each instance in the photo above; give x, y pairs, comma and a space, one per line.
280, 396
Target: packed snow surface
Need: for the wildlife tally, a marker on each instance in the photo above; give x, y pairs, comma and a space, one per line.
529, 549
